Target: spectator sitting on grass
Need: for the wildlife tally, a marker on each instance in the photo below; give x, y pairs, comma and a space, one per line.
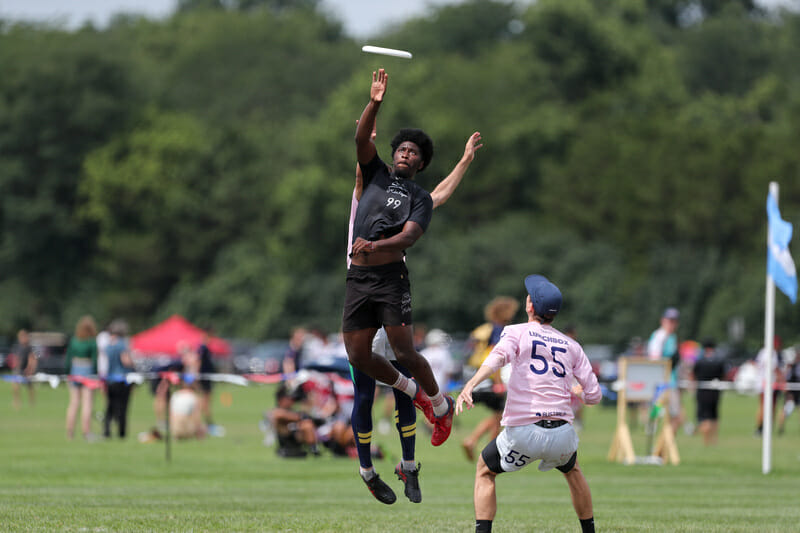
294, 428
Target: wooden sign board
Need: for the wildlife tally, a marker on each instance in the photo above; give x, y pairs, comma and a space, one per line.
641, 377
639, 380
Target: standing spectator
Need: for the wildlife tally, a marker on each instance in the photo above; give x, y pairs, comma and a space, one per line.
537, 418
293, 358
663, 344
437, 352
103, 339
317, 347
25, 367
81, 362
792, 372
205, 384
769, 359
118, 390
491, 392
708, 368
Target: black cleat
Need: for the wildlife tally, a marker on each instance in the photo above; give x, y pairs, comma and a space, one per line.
382, 492
411, 481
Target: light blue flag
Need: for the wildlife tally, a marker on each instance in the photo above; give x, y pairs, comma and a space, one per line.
780, 264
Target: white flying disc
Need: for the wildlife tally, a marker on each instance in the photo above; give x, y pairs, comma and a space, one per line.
386, 51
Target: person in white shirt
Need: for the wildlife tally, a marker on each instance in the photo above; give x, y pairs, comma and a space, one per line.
537, 420
769, 359
663, 344
437, 352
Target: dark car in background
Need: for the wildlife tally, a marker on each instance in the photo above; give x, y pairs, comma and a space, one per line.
255, 358
51, 349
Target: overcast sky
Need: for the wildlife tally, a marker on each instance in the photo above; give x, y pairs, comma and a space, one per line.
361, 17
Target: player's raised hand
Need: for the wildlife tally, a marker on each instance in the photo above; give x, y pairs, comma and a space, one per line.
472, 146
380, 80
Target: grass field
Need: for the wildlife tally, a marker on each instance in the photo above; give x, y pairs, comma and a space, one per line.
234, 483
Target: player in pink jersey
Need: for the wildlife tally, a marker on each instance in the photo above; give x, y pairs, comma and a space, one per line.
537, 421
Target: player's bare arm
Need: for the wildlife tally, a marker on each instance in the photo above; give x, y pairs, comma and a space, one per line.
359, 187
447, 186
365, 147
465, 397
386, 250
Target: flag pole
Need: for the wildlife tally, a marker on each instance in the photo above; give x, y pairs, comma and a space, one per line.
769, 348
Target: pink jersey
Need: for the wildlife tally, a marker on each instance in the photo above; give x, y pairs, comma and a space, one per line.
543, 362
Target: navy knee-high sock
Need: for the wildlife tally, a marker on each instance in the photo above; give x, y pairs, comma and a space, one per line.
361, 417
405, 418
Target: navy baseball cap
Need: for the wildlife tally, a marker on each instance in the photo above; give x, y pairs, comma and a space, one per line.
545, 296
671, 313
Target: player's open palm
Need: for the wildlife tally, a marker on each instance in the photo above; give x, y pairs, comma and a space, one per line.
472, 146
380, 80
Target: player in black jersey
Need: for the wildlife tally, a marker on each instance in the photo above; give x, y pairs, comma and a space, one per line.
364, 386
393, 213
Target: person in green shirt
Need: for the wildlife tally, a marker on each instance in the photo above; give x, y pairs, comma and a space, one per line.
81, 361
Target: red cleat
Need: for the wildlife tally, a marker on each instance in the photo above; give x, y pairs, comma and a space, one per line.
423, 403
442, 425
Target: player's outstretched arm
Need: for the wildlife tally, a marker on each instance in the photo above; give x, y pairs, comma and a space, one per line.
447, 186
465, 397
359, 187
365, 147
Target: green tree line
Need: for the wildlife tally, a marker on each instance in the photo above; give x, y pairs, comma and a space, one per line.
203, 164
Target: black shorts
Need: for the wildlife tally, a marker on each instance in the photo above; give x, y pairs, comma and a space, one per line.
492, 400
377, 296
707, 405
793, 395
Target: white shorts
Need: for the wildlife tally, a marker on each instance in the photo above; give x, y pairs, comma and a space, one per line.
519, 446
381, 346
183, 402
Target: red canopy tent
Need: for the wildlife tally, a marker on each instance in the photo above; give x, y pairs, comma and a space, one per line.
164, 338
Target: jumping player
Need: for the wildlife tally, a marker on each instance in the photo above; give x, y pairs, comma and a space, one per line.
537, 421
392, 215
364, 386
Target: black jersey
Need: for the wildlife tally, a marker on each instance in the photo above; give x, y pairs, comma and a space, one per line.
706, 369
388, 202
